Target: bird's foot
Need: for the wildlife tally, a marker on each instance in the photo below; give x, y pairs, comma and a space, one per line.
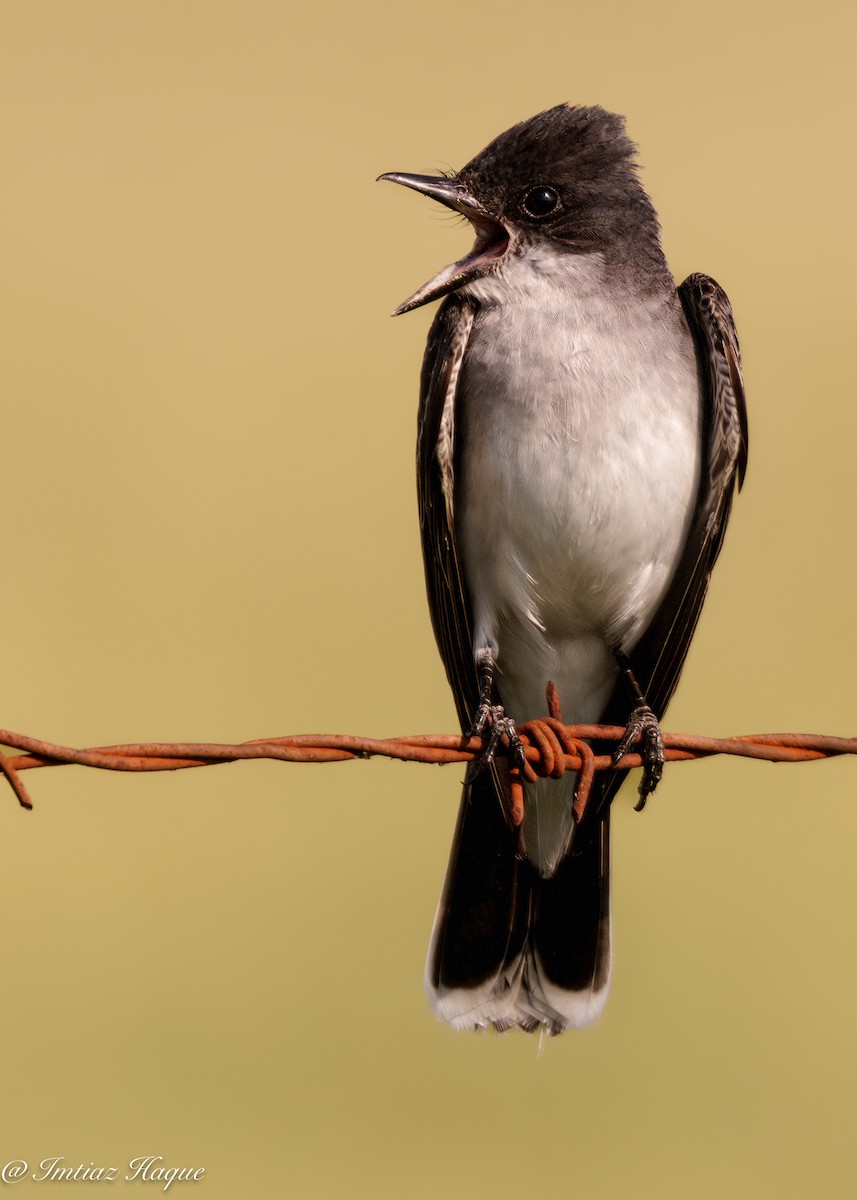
491, 723
643, 727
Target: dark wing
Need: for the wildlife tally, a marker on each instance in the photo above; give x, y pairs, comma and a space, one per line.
450, 610
658, 657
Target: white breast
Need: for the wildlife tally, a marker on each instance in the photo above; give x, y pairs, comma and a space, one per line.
579, 418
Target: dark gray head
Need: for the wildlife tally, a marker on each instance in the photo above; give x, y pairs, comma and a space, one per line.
565, 177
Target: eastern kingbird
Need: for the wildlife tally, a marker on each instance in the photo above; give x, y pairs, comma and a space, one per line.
581, 430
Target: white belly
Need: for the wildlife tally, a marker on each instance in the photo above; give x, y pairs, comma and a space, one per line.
578, 473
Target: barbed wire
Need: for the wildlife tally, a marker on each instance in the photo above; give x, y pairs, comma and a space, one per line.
550, 749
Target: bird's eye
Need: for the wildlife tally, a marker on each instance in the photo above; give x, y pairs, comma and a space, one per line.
540, 201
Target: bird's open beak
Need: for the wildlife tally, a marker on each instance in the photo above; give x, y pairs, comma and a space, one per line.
492, 238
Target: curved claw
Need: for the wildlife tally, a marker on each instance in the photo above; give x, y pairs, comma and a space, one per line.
643, 726
491, 723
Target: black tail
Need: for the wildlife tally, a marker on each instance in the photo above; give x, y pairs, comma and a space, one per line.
512, 948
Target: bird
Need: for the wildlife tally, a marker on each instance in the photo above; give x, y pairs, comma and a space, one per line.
581, 431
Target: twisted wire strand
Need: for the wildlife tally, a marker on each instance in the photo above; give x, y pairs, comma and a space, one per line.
550, 748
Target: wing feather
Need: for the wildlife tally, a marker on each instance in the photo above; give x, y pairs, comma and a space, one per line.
448, 602
658, 657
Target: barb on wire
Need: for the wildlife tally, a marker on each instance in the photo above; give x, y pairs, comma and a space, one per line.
550, 748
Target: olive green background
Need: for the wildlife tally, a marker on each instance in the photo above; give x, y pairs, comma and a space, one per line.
210, 533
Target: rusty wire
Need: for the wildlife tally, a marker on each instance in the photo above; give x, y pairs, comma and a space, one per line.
550, 748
